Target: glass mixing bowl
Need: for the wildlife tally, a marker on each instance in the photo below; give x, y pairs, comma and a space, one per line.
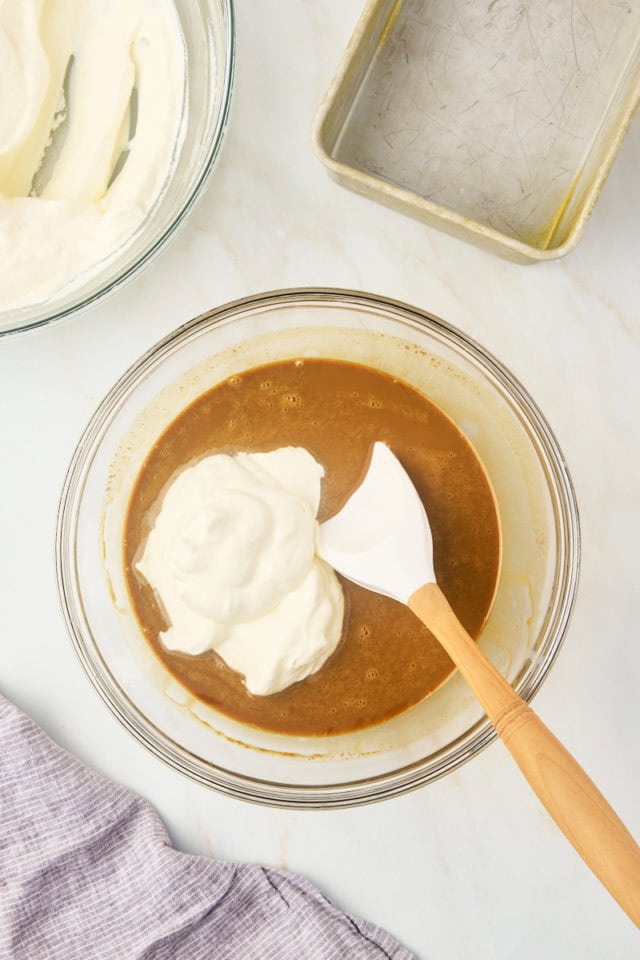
535, 594
209, 33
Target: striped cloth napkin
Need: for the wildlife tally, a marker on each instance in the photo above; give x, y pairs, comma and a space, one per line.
87, 873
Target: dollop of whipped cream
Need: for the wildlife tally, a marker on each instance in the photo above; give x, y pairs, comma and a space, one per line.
91, 110
232, 557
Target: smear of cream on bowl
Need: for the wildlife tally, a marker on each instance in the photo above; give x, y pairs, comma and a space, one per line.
92, 105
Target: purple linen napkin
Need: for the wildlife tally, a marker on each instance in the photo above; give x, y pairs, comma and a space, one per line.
87, 872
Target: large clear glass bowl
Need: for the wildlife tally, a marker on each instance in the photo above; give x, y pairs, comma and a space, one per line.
539, 522
209, 33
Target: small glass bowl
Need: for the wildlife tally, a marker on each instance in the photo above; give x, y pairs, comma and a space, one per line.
535, 594
209, 34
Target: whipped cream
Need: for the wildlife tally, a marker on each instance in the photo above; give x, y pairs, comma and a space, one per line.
81, 83
232, 557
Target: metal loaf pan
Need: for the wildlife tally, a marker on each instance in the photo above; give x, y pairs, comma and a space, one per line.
494, 120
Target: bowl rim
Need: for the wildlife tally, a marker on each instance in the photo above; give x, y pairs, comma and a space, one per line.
129, 271
305, 796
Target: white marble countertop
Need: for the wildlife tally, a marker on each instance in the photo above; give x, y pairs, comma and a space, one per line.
471, 866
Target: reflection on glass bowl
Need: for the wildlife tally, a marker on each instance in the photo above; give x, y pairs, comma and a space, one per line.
209, 35
539, 524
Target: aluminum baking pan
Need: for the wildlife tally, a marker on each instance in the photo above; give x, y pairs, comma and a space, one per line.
495, 121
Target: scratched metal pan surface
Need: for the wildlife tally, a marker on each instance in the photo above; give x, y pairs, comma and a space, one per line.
494, 120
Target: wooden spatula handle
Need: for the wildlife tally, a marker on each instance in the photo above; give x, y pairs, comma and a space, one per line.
572, 799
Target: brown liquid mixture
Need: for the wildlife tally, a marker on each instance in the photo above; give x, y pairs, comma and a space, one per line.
386, 661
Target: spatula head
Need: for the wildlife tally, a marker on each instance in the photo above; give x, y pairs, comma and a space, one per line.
381, 538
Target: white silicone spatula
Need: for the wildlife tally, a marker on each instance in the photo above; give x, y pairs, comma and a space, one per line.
381, 539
